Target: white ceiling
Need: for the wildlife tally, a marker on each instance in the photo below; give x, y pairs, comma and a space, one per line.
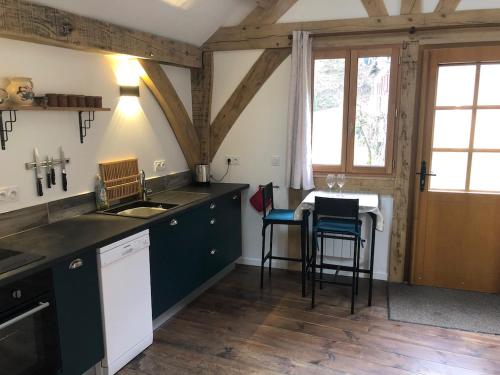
194, 21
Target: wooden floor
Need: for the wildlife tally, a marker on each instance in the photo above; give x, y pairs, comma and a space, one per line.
235, 328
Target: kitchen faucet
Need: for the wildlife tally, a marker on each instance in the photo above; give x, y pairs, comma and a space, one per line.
144, 191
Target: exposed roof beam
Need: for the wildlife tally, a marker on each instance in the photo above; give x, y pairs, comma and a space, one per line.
411, 6
278, 35
36, 23
263, 68
375, 8
268, 11
446, 6
173, 108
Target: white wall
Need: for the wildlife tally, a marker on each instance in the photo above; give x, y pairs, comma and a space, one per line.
144, 133
258, 134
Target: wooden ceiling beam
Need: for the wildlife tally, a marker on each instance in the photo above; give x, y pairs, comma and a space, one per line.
411, 6
171, 105
446, 6
279, 35
268, 12
265, 65
22, 20
375, 8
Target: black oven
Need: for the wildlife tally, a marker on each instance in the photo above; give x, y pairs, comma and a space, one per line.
28, 327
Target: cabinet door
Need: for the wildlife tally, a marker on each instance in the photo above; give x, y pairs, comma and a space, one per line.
176, 263
225, 234
78, 306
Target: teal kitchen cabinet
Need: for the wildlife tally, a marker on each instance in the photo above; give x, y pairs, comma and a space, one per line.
175, 257
78, 307
224, 234
190, 248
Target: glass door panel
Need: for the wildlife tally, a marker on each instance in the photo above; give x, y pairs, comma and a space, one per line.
450, 169
489, 84
452, 128
456, 85
487, 132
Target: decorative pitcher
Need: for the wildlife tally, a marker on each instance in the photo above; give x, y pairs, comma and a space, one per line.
4, 96
20, 91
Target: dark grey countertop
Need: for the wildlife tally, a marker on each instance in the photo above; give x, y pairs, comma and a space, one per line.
62, 240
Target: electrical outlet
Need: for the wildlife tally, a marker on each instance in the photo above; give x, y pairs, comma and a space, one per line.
275, 161
9, 194
235, 160
160, 165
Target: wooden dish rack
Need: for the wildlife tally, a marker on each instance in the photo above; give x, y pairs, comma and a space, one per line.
121, 179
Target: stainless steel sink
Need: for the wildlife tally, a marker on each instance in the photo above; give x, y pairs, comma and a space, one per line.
139, 209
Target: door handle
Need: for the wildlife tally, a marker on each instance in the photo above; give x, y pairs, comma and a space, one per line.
423, 174
77, 263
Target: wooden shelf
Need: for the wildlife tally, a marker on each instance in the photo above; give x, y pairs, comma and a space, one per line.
60, 109
6, 126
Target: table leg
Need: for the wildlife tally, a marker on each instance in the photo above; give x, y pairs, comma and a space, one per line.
372, 256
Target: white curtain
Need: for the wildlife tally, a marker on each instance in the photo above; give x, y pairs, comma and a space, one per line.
299, 174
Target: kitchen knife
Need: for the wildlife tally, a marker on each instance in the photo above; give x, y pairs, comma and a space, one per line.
47, 173
38, 171
63, 169
52, 172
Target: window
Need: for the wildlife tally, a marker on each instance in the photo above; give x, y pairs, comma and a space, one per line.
466, 136
354, 110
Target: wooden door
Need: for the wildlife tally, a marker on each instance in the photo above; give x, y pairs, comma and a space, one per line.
456, 242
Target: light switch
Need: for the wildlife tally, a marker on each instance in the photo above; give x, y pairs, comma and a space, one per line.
275, 161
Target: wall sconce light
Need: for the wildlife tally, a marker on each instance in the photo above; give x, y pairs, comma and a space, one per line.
129, 91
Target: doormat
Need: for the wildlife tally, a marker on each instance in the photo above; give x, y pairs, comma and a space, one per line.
447, 308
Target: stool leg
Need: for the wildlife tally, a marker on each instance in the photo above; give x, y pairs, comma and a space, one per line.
263, 257
321, 262
308, 255
303, 257
353, 284
313, 276
271, 250
357, 266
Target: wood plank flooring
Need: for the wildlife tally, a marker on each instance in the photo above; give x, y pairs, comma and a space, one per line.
235, 328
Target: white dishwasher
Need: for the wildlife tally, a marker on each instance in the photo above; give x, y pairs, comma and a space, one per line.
124, 280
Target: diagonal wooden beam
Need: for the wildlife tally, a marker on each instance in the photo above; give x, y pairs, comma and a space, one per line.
265, 65
446, 6
201, 93
411, 6
375, 8
22, 20
278, 35
171, 105
268, 11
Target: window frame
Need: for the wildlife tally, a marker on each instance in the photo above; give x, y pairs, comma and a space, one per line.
351, 56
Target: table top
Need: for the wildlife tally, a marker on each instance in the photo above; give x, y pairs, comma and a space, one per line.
368, 203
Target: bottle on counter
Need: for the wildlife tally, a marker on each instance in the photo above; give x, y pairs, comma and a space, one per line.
101, 198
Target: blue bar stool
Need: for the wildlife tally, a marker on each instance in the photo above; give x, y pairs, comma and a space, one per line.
336, 219
273, 216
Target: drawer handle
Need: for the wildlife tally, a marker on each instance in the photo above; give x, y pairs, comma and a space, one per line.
236, 197
173, 222
212, 206
77, 263
212, 221
213, 251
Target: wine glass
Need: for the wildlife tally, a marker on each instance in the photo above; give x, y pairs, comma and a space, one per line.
330, 181
341, 181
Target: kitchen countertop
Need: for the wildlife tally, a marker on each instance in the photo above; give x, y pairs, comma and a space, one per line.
62, 240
